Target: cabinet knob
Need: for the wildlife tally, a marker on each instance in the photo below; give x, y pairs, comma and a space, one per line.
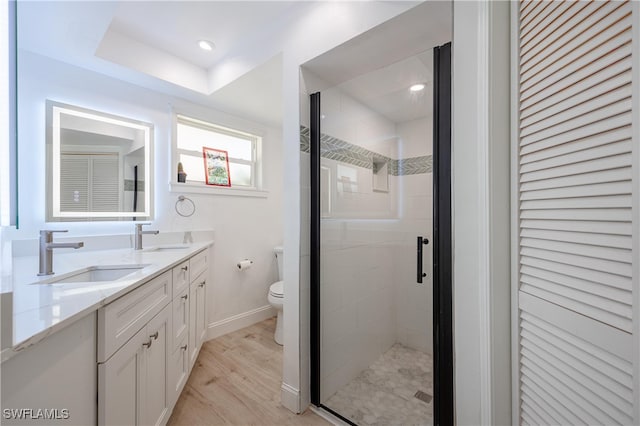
184, 348
185, 297
154, 336
148, 344
202, 284
185, 268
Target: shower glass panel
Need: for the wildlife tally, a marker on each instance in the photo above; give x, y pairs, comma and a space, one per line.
375, 190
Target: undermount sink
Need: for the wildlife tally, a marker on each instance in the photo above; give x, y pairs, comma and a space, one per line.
167, 248
94, 274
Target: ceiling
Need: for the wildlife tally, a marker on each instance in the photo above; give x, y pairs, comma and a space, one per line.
386, 90
154, 44
378, 67
175, 27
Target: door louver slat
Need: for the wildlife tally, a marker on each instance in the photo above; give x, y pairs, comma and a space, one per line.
608, 227
565, 25
579, 40
614, 135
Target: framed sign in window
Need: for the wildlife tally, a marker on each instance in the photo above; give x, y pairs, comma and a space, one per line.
216, 167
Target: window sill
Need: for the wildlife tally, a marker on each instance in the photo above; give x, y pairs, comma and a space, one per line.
201, 188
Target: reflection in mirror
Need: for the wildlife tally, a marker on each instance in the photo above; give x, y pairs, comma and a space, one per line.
98, 165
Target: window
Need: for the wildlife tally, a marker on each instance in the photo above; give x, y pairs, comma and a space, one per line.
192, 135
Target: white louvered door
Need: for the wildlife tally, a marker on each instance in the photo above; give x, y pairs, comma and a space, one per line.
576, 212
90, 182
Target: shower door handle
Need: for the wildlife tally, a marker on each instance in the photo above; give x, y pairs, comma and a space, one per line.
421, 242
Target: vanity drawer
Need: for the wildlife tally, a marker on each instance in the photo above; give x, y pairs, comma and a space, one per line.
181, 277
180, 317
198, 264
123, 318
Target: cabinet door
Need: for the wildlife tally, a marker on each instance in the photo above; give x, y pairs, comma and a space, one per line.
155, 401
180, 318
119, 378
201, 316
193, 310
197, 316
179, 372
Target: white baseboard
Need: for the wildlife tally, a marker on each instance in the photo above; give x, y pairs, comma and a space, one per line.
290, 398
236, 322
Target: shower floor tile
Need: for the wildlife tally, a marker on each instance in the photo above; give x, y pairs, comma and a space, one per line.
384, 393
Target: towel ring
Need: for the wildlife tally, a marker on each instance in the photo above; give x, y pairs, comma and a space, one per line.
186, 211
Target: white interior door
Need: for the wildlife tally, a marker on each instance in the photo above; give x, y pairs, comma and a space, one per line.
576, 212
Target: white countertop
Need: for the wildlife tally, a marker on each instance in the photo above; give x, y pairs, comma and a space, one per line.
42, 309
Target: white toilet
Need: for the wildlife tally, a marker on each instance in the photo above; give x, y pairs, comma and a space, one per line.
276, 295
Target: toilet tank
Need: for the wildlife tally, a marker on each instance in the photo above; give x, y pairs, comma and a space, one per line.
279, 255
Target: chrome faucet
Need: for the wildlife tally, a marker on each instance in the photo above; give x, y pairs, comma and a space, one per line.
140, 232
46, 250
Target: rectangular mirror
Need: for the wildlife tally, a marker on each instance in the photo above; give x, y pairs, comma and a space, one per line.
99, 166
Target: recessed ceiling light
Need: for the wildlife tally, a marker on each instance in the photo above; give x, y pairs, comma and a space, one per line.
417, 87
206, 45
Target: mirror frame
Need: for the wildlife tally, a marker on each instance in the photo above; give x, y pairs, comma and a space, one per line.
53, 144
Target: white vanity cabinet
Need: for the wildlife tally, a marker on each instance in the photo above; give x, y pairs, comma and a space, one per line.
147, 342
135, 353
133, 382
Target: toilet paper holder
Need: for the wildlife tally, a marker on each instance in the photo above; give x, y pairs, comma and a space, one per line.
244, 264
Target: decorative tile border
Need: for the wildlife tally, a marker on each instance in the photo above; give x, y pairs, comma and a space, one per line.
414, 165
345, 152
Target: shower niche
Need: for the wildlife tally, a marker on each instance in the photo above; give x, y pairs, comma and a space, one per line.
380, 176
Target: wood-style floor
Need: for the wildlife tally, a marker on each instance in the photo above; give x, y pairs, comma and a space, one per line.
236, 381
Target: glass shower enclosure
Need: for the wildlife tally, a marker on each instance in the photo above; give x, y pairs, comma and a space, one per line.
370, 148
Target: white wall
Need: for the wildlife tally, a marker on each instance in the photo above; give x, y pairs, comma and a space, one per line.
412, 134
347, 119
245, 227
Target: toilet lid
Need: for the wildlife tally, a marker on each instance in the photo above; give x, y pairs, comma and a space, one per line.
277, 289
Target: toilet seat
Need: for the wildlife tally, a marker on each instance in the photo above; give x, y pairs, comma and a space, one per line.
277, 289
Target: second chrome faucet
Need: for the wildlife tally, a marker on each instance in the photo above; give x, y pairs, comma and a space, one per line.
139, 233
